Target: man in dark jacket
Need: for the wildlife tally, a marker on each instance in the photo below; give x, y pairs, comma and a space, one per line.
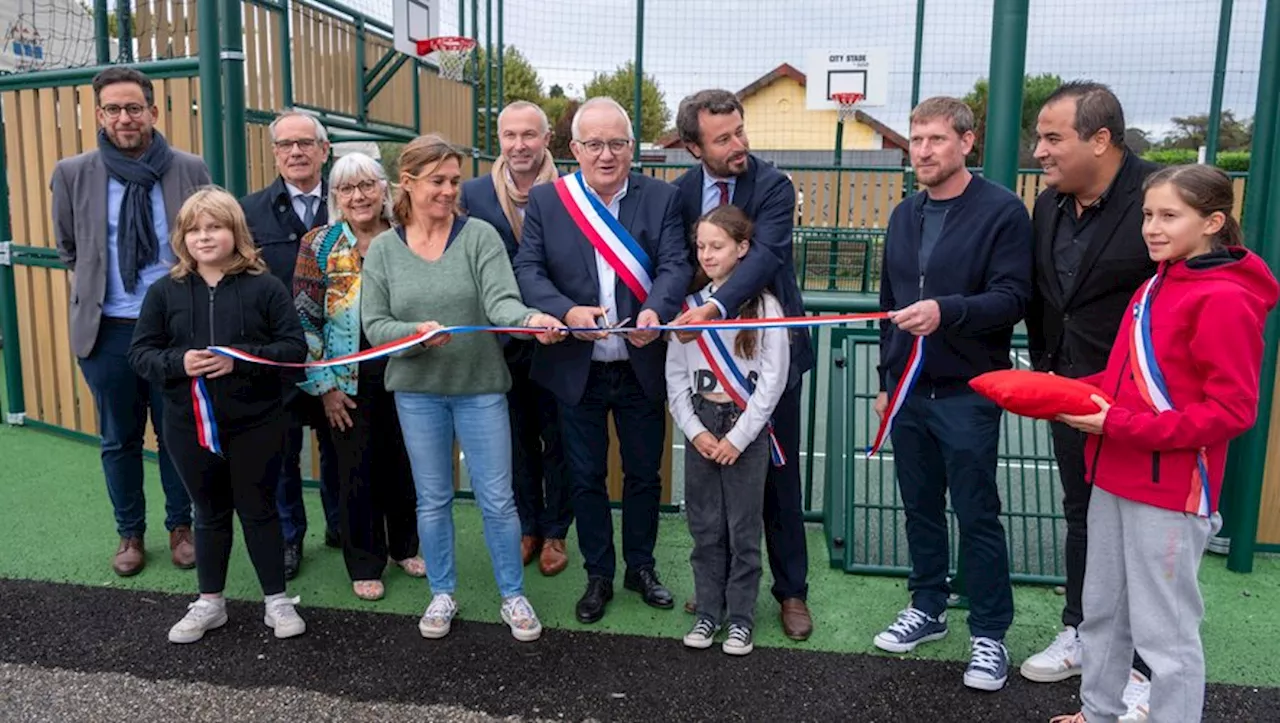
710, 123
1090, 258
957, 271
279, 216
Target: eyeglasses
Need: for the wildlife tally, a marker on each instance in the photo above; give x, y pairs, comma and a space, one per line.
303, 144
365, 187
135, 110
595, 148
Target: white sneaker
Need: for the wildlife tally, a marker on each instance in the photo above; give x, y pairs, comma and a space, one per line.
1059, 661
518, 614
283, 618
1137, 696
438, 618
702, 635
202, 616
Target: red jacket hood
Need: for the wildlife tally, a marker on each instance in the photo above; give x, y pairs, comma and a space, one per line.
1207, 320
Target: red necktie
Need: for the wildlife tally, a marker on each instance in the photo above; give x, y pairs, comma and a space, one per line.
724, 191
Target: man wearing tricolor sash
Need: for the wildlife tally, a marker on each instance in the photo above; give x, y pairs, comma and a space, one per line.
956, 273
711, 126
605, 247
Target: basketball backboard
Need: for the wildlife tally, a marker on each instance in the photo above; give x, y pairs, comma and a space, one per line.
415, 20
858, 71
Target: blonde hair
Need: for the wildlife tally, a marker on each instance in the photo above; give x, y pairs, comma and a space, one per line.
421, 154
223, 208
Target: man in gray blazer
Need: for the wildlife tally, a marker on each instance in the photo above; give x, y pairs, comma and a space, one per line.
112, 212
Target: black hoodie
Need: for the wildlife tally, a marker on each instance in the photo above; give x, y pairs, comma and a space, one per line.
252, 313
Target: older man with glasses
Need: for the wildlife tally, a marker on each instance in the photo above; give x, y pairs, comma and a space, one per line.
279, 216
605, 247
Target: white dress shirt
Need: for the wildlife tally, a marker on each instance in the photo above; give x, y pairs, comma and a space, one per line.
299, 199
612, 348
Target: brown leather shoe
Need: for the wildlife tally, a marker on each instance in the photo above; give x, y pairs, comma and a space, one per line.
691, 605
529, 547
183, 551
130, 557
796, 622
554, 559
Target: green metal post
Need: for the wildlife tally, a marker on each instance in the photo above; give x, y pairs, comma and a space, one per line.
1004, 107
417, 96
1219, 80
502, 64
286, 55
211, 124
362, 96
917, 57
17, 407
1262, 223
475, 95
232, 57
102, 31
124, 31
488, 77
638, 104
839, 142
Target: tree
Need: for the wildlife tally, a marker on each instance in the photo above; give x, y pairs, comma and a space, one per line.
1138, 140
1035, 90
620, 85
561, 132
519, 79
1193, 131
556, 91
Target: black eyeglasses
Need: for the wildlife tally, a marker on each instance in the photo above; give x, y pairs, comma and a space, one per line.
135, 110
595, 147
365, 188
304, 144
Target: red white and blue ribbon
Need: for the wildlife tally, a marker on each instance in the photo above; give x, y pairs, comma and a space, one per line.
736, 384
910, 373
206, 425
619, 249
1155, 391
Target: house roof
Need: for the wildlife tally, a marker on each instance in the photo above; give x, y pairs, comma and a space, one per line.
786, 70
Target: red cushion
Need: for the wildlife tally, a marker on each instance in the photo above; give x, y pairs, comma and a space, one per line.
1036, 394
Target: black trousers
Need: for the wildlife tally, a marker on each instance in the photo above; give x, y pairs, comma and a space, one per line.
377, 502
641, 425
784, 534
538, 474
243, 480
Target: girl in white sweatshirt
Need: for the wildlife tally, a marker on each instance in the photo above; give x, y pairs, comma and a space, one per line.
722, 388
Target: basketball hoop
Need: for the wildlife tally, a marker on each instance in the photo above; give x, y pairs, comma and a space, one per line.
452, 53
846, 103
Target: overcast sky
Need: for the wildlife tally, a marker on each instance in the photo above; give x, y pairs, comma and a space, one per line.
1157, 54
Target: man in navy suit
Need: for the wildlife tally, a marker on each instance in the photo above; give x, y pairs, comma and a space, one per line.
279, 216
710, 124
501, 197
561, 270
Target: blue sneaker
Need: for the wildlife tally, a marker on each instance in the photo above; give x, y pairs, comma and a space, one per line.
988, 665
911, 628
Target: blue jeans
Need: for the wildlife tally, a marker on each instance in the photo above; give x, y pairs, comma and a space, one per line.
950, 444
430, 423
122, 399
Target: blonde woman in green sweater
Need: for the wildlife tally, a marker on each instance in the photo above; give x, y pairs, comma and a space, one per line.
440, 268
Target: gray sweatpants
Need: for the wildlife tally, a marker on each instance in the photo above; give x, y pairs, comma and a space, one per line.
725, 509
1140, 591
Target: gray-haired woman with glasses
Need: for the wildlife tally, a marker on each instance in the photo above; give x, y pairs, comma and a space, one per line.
377, 498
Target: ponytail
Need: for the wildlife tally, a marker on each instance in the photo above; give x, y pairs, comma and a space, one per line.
1230, 234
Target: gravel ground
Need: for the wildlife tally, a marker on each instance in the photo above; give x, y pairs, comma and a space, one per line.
38, 695
364, 659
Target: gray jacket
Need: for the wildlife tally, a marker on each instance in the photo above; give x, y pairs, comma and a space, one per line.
79, 186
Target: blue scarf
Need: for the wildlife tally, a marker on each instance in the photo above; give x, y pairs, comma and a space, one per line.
136, 242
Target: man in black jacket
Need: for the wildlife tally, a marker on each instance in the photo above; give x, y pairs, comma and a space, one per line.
279, 216
711, 126
1090, 258
957, 271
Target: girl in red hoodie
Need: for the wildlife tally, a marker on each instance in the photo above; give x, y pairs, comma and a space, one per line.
1184, 375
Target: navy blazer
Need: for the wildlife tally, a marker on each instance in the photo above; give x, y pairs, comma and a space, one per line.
768, 198
556, 270
276, 228
480, 200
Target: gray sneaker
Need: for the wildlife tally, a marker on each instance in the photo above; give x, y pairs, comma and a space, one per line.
988, 665
911, 628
